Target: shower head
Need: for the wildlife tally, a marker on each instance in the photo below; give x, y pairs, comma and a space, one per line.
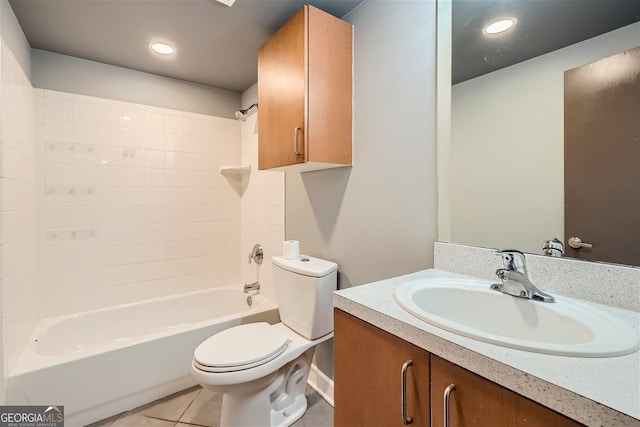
242, 114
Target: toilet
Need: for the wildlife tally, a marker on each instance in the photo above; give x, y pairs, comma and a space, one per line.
262, 369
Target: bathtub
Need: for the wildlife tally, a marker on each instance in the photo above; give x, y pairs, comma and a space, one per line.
102, 362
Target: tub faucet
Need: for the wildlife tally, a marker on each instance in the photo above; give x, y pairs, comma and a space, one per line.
255, 286
515, 280
256, 254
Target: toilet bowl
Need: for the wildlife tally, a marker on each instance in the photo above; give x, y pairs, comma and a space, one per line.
262, 369
258, 389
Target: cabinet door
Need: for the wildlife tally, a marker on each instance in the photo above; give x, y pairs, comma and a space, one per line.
479, 402
281, 94
367, 373
329, 134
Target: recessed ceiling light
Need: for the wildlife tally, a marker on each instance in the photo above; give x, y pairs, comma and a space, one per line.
499, 26
162, 48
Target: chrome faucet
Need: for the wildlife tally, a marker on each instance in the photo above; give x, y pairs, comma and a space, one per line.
255, 286
256, 254
515, 280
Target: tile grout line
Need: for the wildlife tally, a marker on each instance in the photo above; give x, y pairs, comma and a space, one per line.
189, 405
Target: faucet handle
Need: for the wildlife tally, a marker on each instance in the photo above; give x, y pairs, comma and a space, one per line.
256, 254
513, 259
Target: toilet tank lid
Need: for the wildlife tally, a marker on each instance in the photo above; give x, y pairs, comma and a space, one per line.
306, 265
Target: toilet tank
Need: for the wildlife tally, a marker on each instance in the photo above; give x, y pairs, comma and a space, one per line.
303, 289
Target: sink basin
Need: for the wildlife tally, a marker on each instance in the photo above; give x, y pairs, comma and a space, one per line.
468, 307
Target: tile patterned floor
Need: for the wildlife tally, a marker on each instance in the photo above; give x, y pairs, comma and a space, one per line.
200, 407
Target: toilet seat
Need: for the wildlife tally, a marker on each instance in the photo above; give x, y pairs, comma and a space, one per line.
241, 347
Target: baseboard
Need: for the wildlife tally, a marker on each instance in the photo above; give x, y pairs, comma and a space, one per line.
321, 383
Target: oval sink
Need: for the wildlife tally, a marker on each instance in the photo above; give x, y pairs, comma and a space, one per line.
567, 327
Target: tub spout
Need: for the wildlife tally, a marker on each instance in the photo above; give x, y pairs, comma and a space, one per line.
255, 286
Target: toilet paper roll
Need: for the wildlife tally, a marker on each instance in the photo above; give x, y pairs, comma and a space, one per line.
291, 249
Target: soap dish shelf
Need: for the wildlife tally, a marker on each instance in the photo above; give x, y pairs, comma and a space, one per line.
235, 171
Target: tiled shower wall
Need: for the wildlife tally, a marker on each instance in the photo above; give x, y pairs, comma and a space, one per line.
106, 202
18, 239
134, 204
262, 209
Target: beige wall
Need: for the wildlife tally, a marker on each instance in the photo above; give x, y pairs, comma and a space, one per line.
74, 75
377, 218
507, 147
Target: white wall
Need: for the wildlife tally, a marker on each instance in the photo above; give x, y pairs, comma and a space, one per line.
377, 219
18, 188
507, 152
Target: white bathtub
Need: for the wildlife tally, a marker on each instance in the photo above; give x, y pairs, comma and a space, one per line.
102, 362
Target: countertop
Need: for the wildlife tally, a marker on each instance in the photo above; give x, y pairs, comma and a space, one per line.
593, 391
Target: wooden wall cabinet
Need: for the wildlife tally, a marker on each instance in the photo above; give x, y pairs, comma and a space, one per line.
368, 393
305, 93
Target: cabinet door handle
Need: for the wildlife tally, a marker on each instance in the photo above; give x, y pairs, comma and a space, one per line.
447, 395
295, 141
405, 419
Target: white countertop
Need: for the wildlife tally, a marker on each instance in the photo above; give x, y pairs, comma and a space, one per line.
593, 391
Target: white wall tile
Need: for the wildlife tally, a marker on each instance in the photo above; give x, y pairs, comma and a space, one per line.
154, 140
110, 135
110, 114
20, 188
134, 176
132, 137
57, 130
135, 204
58, 108
154, 159
110, 175
85, 111
174, 123
133, 117
154, 121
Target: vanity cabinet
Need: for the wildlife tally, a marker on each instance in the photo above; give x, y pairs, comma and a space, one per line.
477, 401
305, 93
368, 365
368, 392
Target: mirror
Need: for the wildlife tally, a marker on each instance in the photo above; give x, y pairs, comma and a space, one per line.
501, 131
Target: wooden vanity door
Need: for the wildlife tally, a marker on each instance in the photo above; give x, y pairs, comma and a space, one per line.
480, 402
367, 375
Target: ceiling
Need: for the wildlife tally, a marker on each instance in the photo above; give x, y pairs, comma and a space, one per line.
543, 26
217, 45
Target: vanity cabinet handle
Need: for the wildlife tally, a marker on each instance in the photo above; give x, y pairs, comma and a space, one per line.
295, 141
403, 403
447, 395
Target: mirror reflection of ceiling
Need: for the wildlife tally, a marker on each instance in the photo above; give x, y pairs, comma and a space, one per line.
542, 26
